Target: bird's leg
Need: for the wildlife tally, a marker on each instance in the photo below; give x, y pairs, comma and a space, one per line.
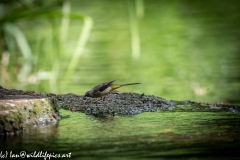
102, 98
116, 92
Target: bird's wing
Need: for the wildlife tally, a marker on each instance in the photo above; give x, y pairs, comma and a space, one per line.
103, 86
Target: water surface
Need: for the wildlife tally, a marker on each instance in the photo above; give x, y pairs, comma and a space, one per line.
160, 135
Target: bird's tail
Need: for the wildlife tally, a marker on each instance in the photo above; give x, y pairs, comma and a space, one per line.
128, 84
116, 86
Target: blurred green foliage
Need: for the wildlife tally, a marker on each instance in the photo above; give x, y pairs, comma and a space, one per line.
178, 49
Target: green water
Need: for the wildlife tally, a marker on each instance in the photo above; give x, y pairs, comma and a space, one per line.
161, 135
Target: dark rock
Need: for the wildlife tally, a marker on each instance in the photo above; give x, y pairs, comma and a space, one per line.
18, 108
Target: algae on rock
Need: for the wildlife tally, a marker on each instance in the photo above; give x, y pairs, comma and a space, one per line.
17, 111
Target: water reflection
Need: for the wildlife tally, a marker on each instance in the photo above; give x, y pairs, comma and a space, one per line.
148, 135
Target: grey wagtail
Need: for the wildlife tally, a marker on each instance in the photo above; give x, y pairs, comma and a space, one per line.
105, 88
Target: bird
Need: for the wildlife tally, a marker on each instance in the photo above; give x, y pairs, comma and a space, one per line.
105, 88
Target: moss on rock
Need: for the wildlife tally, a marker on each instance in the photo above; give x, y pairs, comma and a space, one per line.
17, 112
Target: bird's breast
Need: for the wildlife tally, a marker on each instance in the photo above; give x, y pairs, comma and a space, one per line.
107, 90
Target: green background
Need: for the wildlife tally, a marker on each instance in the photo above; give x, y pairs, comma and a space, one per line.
178, 49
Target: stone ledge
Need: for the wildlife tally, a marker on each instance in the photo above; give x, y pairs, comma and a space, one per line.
19, 108
16, 111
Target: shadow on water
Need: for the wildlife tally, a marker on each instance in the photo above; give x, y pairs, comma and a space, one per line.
149, 135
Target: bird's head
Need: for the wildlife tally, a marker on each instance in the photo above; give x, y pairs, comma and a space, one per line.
88, 94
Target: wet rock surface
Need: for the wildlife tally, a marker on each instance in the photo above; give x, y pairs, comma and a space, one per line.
114, 104
120, 103
36, 106
17, 110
